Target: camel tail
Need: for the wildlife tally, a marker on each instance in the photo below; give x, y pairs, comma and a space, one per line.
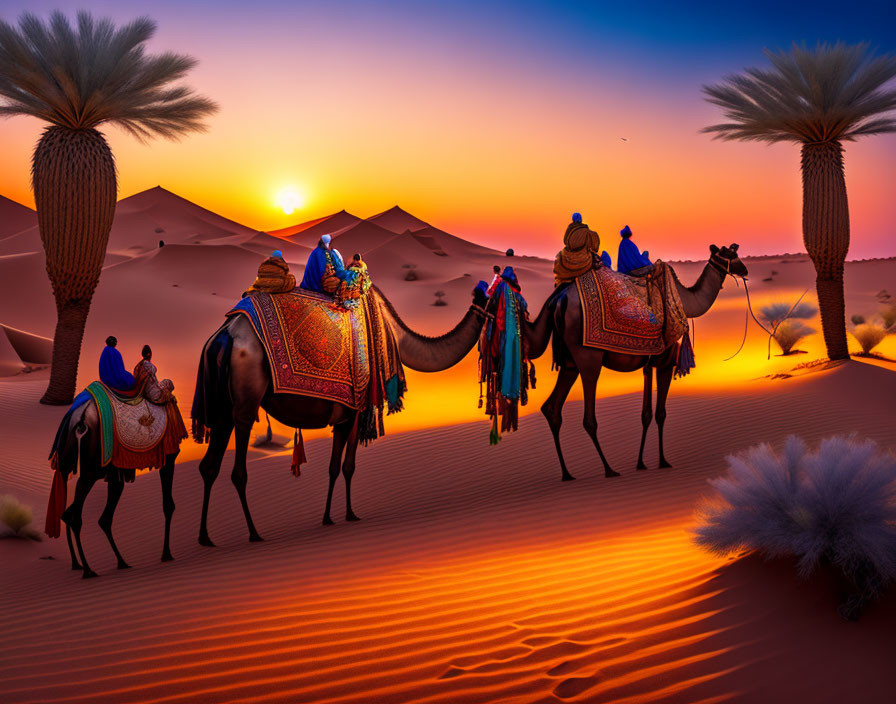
212, 392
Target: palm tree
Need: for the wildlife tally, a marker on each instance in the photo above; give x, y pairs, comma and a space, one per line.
76, 79
819, 99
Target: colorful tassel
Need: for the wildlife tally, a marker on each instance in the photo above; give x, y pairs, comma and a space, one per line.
298, 453
495, 436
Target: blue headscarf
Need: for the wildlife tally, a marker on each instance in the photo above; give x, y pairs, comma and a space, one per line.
605, 258
629, 257
317, 265
112, 371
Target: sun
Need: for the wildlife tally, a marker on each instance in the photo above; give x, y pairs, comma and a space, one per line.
290, 200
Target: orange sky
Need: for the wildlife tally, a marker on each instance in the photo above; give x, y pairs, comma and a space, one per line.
492, 142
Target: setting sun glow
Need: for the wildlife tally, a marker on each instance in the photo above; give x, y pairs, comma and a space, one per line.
290, 200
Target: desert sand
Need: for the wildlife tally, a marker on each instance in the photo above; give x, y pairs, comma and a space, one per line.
476, 574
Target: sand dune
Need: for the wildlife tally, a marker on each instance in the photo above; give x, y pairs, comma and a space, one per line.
398, 220
477, 575
15, 217
309, 232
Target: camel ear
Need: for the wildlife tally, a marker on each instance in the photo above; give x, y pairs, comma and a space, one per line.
713, 249
733, 247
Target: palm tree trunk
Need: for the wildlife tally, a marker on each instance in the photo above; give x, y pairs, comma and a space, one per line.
826, 236
73, 176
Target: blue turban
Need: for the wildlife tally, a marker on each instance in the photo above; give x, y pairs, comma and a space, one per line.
577, 217
626, 231
277, 253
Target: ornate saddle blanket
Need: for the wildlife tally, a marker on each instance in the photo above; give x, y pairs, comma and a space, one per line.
633, 315
135, 433
314, 347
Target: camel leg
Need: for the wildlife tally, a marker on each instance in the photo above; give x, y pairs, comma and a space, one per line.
348, 468
589, 386
116, 485
166, 474
209, 468
663, 381
73, 515
646, 411
552, 409
239, 476
71, 548
340, 435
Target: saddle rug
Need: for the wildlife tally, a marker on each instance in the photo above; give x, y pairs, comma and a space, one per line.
633, 315
134, 430
314, 347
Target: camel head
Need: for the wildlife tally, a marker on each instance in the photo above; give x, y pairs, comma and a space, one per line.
727, 260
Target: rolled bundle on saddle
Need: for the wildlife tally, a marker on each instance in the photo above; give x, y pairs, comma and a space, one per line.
504, 366
580, 247
273, 276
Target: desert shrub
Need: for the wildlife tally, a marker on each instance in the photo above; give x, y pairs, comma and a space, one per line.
869, 336
789, 333
15, 516
857, 319
775, 313
834, 505
440, 299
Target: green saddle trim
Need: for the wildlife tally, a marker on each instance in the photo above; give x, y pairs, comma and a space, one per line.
100, 395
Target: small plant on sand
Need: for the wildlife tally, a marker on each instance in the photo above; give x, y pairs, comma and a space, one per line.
16, 517
784, 321
440, 299
869, 336
411, 275
834, 506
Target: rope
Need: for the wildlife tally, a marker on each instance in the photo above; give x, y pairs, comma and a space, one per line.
749, 313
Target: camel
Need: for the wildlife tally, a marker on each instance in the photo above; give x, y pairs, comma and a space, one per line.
565, 321
235, 381
81, 441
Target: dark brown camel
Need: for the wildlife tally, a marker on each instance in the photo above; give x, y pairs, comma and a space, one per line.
81, 440
588, 361
236, 382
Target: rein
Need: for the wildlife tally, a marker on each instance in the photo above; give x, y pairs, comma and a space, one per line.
748, 312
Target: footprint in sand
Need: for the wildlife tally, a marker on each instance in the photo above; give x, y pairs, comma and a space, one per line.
576, 685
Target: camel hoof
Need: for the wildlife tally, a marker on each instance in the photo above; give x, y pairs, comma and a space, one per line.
665, 465
256, 538
89, 573
167, 557
641, 465
351, 517
610, 473
123, 565
76, 566
568, 477
205, 540
327, 521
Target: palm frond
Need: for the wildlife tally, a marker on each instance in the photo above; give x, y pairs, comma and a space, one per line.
94, 72
829, 93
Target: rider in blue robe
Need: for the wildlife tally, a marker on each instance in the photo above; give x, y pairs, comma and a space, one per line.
630, 257
317, 265
605, 258
112, 370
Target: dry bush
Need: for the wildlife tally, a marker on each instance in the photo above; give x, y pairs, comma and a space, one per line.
789, 333
16, 516
869, 336
775, 313
836, 505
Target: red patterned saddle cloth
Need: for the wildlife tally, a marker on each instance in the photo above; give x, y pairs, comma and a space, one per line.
617, 315
314, 346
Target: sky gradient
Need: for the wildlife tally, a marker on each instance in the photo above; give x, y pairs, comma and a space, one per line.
493, 121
